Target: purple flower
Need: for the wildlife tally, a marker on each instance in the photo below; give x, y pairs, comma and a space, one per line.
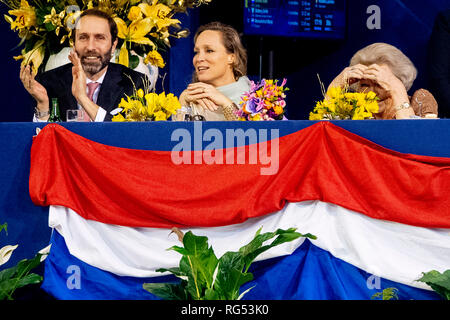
251, 106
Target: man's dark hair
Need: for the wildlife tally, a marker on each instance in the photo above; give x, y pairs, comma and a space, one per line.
100, 14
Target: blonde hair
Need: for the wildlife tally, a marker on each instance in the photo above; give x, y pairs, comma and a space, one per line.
383, 53
232, 43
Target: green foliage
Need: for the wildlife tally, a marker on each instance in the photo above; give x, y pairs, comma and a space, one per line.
19, 275
4, 227
439, 282
205, 277
133, 61
386, 294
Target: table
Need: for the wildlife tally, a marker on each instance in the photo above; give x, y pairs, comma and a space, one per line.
27, 223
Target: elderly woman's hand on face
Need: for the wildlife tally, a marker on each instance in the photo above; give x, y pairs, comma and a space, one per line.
383, 75
394, 87
205, 95
349, 75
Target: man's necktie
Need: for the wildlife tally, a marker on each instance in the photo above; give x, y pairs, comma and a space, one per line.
91, 89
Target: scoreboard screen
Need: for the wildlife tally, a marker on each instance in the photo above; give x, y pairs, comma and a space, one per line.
295, 18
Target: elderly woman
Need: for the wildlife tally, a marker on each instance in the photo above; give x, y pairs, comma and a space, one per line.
219, 79
385, 70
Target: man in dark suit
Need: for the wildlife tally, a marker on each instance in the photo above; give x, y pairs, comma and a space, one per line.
439, 62
95, 39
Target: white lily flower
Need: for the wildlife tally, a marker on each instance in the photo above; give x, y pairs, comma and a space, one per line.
44, 252
6, 252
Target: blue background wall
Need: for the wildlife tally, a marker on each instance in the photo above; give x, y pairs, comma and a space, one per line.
406, 24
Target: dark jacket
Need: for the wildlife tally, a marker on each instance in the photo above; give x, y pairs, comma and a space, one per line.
115, 86
439, 62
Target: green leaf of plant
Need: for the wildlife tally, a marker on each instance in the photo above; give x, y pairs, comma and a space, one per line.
168, 291
7, 288
229, 282
230, 276
255, 248
199, 265
49, 26
178, 249
26, 265
7, 274
439, 282
31, 278
201, 261
176, 271
194, 244
211, 294
133, 61
386, 294
390, 293
4, 227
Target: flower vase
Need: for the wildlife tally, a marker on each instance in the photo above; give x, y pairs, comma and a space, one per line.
150, 70
62, 58
59, 59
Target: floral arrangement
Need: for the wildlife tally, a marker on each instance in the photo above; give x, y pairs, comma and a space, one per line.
144, 105
341, 104
45, 26
264, 101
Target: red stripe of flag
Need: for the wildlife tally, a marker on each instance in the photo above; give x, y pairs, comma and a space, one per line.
142, 188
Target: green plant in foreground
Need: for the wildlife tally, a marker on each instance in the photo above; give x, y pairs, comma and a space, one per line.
205, 277
386, 294
19, 275
439, 282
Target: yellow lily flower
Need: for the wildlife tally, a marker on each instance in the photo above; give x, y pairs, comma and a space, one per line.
123, 55
372, 107
159, 13
371, 95
160, 116
134, 13
35, 56
150, 102
26, 16
55, 19
118, 118
120, 3
154, 58
135, 32
172, 104
315, 116
334, 92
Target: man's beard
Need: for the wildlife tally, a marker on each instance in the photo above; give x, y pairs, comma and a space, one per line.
93, 67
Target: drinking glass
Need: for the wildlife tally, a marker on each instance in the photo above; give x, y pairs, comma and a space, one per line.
76, 115
183, 114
